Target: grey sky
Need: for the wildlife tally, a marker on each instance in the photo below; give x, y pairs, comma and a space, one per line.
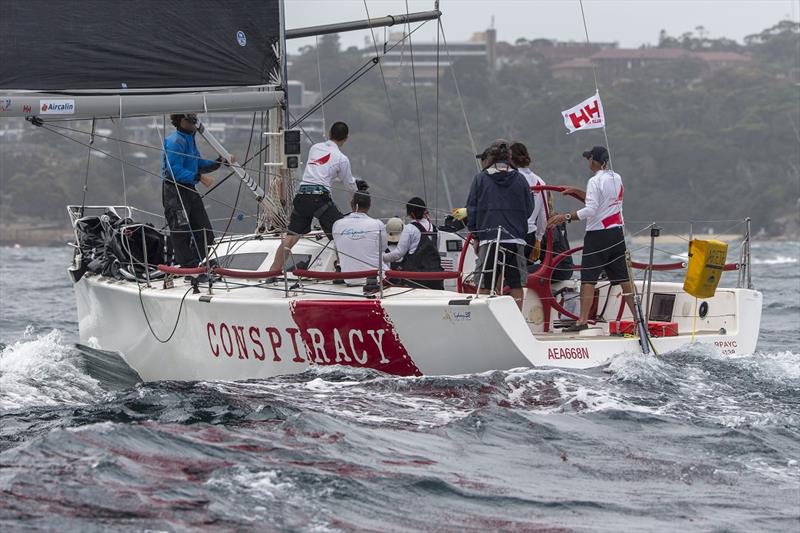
630, 22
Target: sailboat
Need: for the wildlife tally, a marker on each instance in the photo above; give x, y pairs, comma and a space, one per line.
248, 322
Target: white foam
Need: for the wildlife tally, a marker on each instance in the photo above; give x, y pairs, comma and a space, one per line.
777, 260
42, 370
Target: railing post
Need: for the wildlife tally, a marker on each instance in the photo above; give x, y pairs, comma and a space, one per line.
144, 254
380, 266
283, 266
747, 258
493, 291
208, 263
655, 231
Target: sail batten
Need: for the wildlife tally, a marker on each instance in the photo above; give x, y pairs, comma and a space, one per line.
53, 45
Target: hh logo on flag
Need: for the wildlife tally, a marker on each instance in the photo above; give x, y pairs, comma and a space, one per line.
585, 116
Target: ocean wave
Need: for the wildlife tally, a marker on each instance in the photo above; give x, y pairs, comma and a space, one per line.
40, 370
777, 260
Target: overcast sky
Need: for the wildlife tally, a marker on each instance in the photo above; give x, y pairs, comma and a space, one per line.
629, 22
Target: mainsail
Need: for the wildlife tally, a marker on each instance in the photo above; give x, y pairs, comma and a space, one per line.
100, 58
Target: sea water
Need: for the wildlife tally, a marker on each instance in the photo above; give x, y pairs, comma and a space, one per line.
688, 441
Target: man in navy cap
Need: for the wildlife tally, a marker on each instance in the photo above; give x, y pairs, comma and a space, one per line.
604, 243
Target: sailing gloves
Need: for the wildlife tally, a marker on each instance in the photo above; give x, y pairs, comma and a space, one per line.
362, 185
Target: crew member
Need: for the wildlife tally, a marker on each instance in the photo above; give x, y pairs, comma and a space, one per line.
500, 198
359, 239
604, 243
537, 223
326, 163
418, 249
181, 168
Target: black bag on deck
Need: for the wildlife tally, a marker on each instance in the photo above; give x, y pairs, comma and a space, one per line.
425, 259
563, 270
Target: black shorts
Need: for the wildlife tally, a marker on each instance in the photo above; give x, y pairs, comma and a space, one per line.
515, 272
604, 251
307, 207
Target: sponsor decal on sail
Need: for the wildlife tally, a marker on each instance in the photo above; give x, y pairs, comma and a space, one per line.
5, 104
56, 107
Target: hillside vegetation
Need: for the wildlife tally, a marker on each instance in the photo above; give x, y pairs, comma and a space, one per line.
689, 142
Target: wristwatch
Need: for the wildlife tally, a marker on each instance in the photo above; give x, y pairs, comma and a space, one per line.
568, 217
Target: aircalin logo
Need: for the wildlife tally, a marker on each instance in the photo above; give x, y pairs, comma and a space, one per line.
5, 104
56, 107
241, 38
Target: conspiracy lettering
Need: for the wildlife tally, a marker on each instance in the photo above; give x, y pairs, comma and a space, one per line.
353, 347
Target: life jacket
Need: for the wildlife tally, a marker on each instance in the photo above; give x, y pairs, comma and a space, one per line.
425, 258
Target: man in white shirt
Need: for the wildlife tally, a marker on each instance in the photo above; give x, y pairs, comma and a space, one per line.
537, 222
604, 243
359, 239
418, 248
326, 163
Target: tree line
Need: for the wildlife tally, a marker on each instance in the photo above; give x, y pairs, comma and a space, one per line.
690, 142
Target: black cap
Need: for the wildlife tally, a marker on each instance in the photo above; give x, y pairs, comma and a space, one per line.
481, 155
597, 153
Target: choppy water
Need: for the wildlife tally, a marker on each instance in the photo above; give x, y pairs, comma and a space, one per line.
690, 441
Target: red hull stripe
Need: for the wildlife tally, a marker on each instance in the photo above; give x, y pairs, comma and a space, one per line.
351, 333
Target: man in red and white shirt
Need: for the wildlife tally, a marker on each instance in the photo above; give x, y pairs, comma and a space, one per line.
326, 163
604, 243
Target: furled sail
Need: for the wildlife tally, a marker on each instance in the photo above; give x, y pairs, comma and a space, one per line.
114, 45
112, 58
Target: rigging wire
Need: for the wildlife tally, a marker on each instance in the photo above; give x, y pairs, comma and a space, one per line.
86, 175
358, 73
112, 156
383, 79
121, 160
458, 92
436, 127
416, 105
213, 251
596, 86
321, 92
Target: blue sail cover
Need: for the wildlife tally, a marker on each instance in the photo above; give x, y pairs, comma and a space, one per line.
59, 45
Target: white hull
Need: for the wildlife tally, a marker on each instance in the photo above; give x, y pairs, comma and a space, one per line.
251, 331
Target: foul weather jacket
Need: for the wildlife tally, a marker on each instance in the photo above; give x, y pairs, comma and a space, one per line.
183, 160
499, 198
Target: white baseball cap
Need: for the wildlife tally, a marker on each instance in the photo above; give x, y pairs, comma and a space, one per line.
394, 227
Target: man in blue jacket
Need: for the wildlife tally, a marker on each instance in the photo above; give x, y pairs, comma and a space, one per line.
500, 198
181, 168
